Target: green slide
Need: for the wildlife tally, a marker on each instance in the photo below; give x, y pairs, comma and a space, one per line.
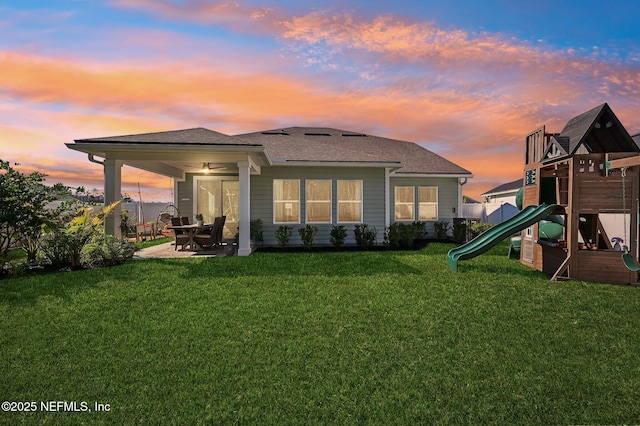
492, 236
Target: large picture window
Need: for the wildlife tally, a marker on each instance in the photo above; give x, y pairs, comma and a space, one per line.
318, 197
404, 203
428, 203
349, 201
286, 201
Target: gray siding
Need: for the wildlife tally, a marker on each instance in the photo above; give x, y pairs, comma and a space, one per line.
185, 196
373, 199
447, 197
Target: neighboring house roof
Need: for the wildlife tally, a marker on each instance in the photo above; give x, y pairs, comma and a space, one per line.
636, 139
313, 144
509, 187
197, 135
600, 130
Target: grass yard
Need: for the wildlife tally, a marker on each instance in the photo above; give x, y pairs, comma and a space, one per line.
321, 338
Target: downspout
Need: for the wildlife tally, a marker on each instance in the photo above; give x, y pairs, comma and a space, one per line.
460, 185
93, 160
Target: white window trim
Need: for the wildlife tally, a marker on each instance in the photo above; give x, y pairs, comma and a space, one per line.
350, 201
437, 203
306, 200
413, 203
274, 202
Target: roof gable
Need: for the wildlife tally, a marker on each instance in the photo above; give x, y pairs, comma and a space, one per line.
557, 147
598, 130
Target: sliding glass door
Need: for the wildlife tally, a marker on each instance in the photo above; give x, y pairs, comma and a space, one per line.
218, 196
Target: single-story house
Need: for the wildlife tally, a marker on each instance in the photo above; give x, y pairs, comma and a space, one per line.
292, 176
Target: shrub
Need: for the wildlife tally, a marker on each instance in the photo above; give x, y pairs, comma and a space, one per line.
365, 236
402, 235
283, 234
307, 234
441, 228
255, 230
106, 250
73, 228
338, 235
460, 232
420, 230
55, 249
479, 228
23, 209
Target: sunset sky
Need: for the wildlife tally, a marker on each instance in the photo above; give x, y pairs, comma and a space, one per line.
466, 79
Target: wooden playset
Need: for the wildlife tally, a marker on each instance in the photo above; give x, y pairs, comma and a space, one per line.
591, 170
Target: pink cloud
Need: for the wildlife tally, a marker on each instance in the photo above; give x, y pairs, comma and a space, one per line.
229, 14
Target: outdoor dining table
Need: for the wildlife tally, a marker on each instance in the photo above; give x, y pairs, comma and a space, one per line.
191, 231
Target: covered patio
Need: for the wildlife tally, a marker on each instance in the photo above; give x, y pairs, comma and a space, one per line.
167, 251
176, 154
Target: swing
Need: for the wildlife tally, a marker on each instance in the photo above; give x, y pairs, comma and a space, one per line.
627, 258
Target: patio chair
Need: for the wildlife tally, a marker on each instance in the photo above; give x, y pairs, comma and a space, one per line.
182, 238
212, 238
185, 220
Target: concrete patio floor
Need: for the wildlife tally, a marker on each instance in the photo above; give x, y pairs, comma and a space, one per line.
167, 251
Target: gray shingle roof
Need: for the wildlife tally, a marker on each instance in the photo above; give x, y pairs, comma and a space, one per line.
335, 145
194, 136
308, 144
505, 187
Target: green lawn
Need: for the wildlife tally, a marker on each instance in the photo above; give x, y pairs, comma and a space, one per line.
321, 338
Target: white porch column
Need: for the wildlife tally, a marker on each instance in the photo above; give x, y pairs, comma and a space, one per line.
112, 193
244, 237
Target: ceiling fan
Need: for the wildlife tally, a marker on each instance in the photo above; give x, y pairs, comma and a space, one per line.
207, 167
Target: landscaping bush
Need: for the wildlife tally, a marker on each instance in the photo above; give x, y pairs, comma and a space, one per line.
399, 235
283, 234
420, 230
479, 228
460, 232
338, 235
55, 250
255, 231
365, 236
402, 235
106, 250
23, 210
441, 228
307, 234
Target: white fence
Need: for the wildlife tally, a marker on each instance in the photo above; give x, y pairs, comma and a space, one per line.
489, 212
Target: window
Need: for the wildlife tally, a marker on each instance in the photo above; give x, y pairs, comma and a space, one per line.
286, 201
428, 202
350, 201
405, 201
318, 196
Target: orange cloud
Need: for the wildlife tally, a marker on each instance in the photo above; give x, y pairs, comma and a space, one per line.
229, 14
472, 97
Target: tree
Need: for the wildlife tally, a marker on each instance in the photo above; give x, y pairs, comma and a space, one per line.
23, 201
